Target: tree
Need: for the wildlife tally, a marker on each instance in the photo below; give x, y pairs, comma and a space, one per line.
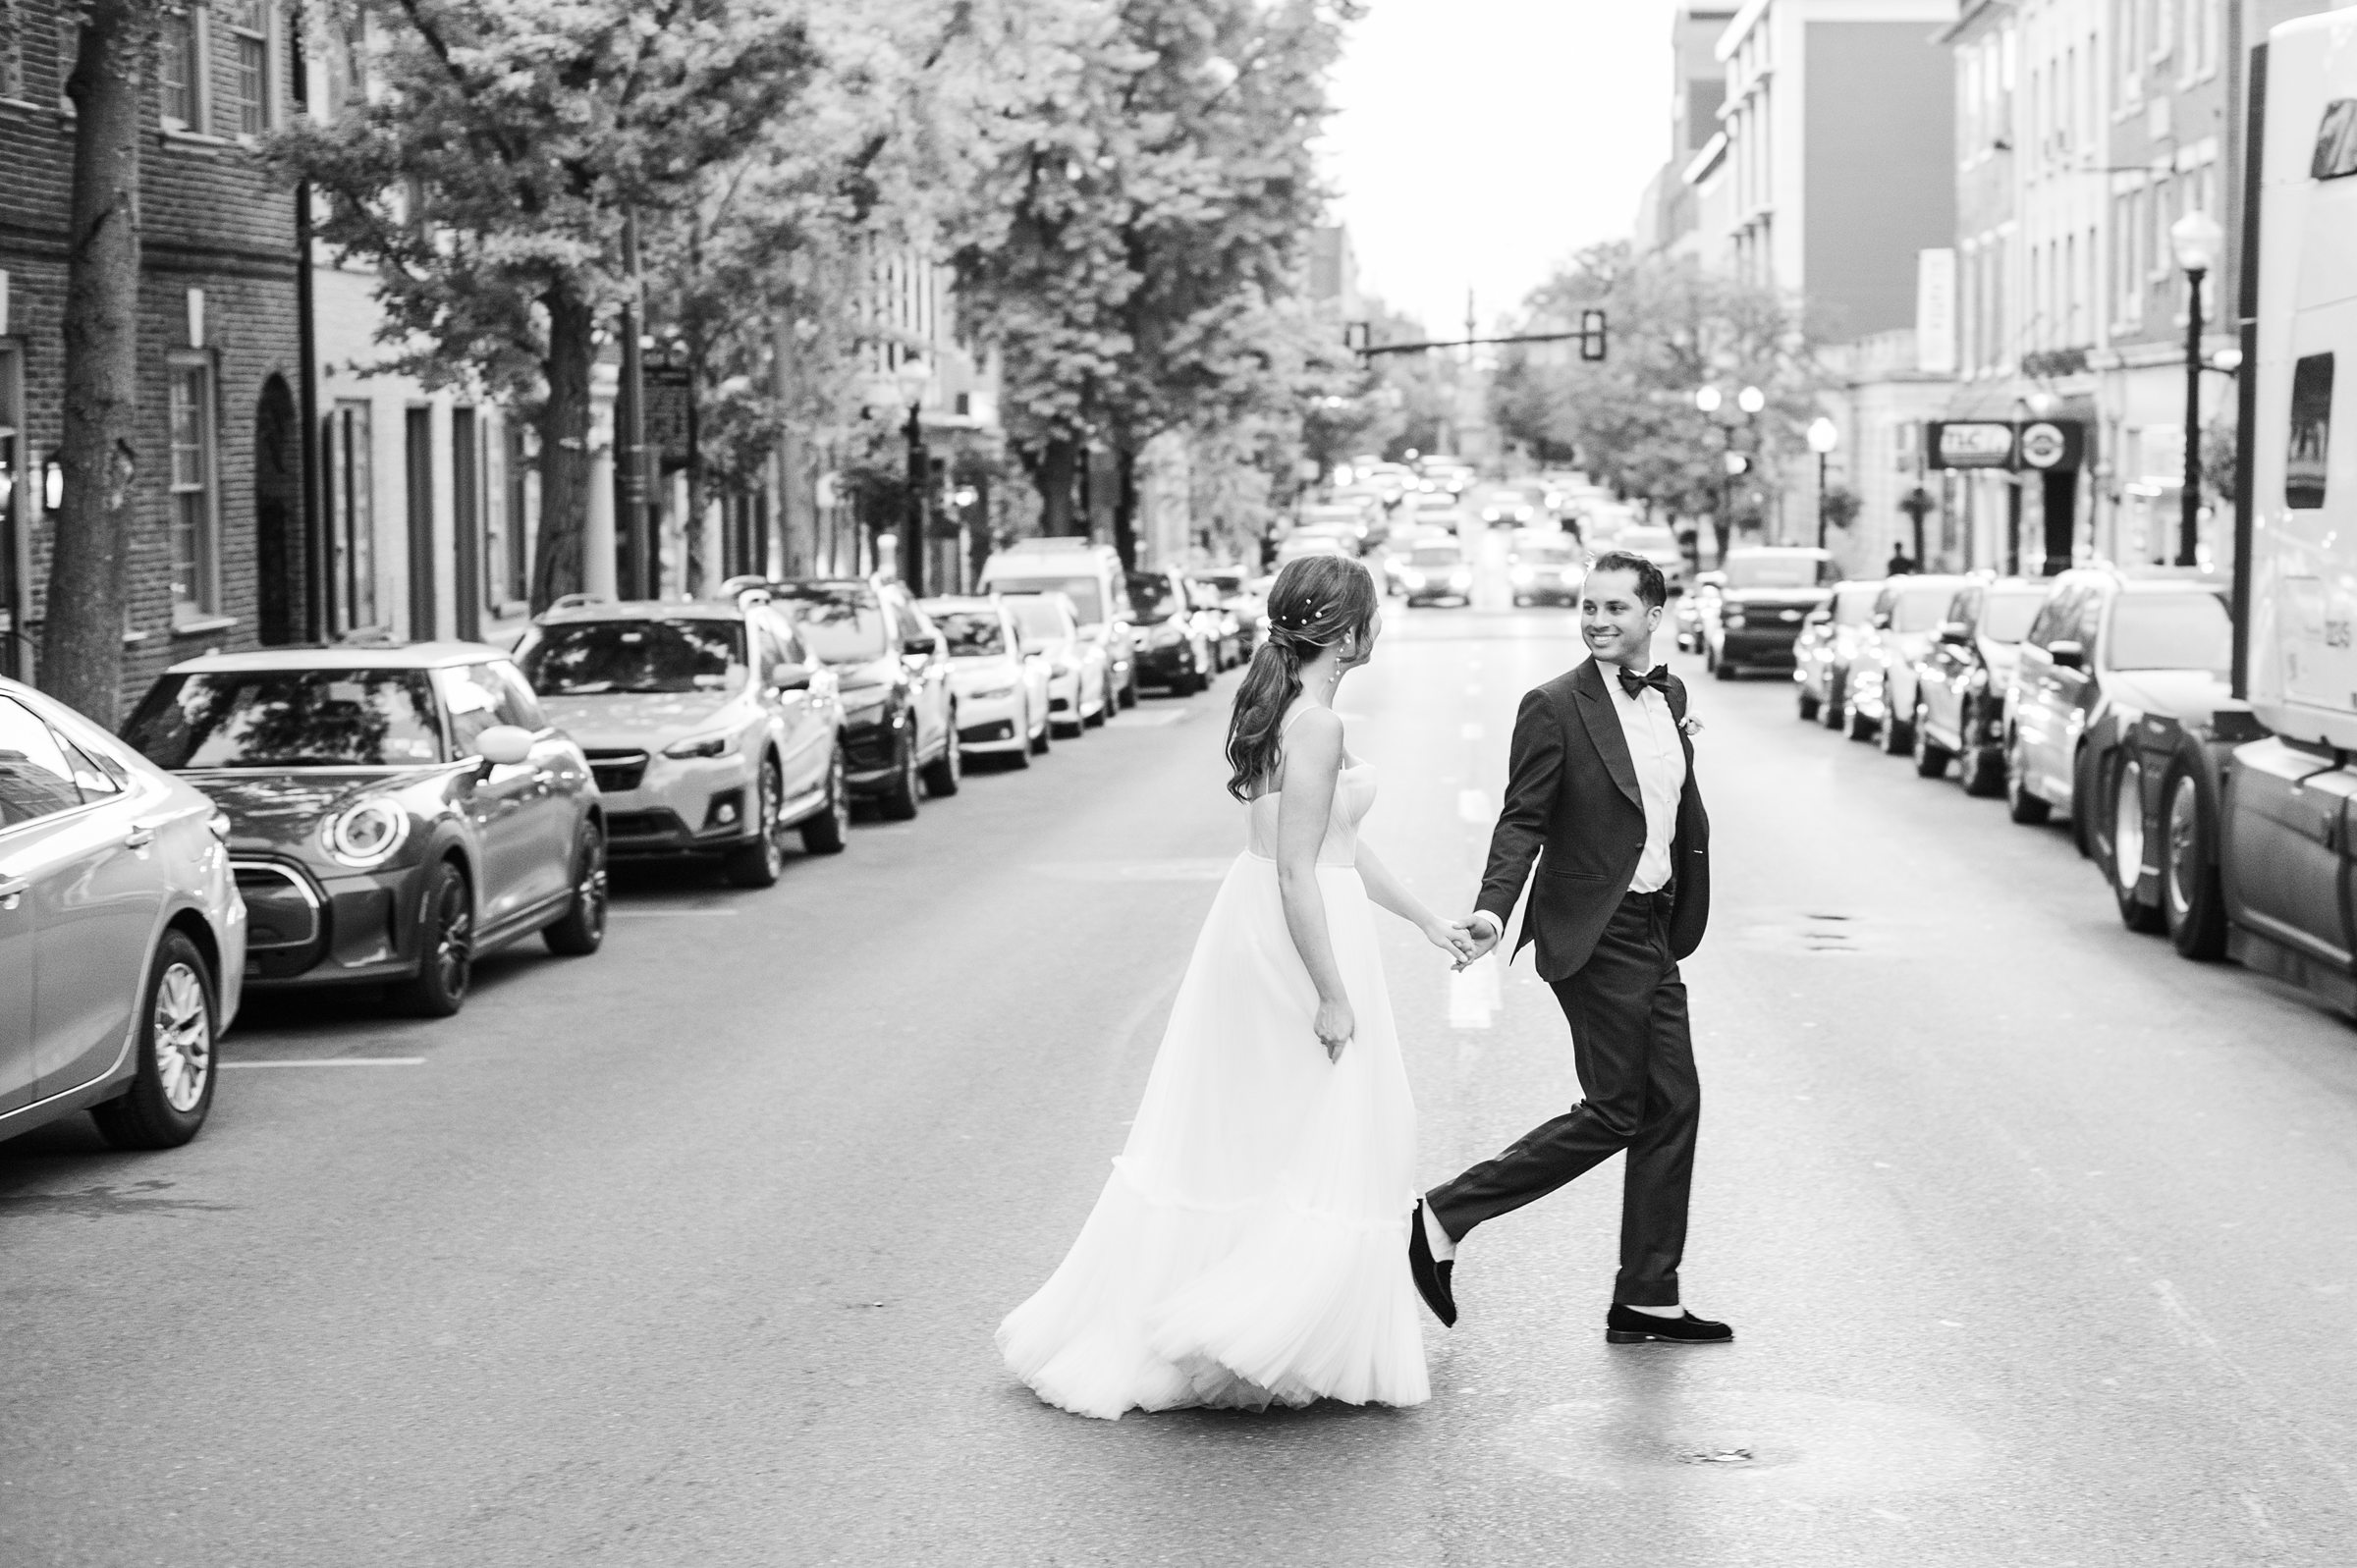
490, 175
82, 628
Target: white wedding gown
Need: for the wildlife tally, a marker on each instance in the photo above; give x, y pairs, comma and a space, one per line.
1250, 1246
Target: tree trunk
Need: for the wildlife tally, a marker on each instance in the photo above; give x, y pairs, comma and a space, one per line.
564, 449
982, 537
1053, 476
83, 624
1124, 506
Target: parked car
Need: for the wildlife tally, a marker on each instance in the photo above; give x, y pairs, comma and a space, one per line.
1830, 637
1545, 568
2106, 638
1310, 542
1748, 613
1961, 683
1400, 549
1687, 609
1217, 613
1175, 651
1232, 585
892, 668
393, 813
712, 732
1001, 686
121, 933
1878, 699
1079, 692
1090, 574
1659, 546
1436, 571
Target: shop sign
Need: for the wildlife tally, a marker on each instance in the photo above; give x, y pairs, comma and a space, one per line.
2046, 444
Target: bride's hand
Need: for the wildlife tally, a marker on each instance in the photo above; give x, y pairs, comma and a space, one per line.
1334, 1025
1453, 938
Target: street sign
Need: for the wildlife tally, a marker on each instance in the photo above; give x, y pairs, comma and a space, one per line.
670, 413
2047, 446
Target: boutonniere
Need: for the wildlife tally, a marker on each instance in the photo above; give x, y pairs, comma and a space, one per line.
1691, 726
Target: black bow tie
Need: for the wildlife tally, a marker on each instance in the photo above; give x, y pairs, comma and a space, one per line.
1657, 677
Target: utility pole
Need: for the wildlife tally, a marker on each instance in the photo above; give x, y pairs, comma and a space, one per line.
635, 581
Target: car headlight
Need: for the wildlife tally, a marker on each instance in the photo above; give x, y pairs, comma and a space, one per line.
1460, 578
719, 745
1730, 618
1978, 680
989, 693
365, 833
1489, 514
1410, 577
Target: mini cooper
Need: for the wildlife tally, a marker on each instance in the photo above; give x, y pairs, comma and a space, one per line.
393, 812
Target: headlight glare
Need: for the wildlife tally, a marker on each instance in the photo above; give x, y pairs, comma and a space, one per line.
365, 833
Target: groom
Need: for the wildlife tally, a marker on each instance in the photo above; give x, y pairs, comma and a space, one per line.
1601, 793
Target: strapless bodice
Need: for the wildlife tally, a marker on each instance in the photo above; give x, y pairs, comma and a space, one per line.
1353, 795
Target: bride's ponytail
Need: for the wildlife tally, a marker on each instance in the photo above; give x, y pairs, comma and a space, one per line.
1315, 602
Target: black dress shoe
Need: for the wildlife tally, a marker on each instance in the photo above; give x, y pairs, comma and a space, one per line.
1431, 1277
1625, 1326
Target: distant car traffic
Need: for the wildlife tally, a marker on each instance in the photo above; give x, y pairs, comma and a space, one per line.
1545, 568
1079, 691
1312, 542
1830, 637
1659, 546
1961, 682
1216, 612
900, 715
1511, 506
711, 730
393, 813
1234, 586
1879, 696
121, 933
1749, 611
1001, 684
1436, 571
1177, 644
1090, 576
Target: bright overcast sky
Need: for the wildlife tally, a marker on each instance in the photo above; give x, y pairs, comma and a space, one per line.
1480, 140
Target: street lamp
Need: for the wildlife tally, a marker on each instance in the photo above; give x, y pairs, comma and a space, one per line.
1748, 402
1751, 400
1824, 437
910, 381
2195, 237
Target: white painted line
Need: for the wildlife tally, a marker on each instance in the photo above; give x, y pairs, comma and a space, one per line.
1146, 721
1471, 731
664, 914
1473, 994
334, 1062
1472, 805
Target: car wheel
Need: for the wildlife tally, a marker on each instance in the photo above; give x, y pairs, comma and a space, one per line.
1931, 758
1037, 746
1070, 728
827, 833
946, 772
1105, 706
1854, 723
2021, 805
1130, 691
172, 1088
2120, 846
1020, 757
1897, 735
1724, 667
1808, 707
446, 947
899, 802
760, 860
582, 929
2193, 903
1831, 716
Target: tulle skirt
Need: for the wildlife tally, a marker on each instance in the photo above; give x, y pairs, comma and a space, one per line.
1251, 1247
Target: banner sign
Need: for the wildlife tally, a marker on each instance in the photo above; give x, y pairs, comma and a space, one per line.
2046, 444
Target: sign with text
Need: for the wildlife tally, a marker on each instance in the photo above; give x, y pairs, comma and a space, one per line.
2045, 445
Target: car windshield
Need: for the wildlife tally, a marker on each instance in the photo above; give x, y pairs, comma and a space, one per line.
1777, 572
1921, 609
1088, 600
2172, 632
1038, 619
1435, 556
843, 624
1852, 606
609, 658
289, 718
1150, 599
1546, 554
2006, 617
971, 632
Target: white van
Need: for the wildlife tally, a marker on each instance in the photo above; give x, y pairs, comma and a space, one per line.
1091, 574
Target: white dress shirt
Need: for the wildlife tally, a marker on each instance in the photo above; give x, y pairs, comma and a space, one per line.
1660, 761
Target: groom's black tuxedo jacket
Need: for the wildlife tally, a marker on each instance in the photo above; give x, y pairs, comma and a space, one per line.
1572, 805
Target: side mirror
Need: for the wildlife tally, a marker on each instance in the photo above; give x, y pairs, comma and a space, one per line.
2067, 655
504, 745
1817, 617
790, 677
1954, 632
1881, 620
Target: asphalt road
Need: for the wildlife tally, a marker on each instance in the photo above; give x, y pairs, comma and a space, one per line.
2038, 1241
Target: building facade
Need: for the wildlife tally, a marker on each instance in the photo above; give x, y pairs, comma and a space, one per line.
217, 556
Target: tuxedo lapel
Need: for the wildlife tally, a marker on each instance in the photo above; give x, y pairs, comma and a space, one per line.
1604, 733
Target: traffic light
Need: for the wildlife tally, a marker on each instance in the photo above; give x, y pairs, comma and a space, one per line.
1591, 335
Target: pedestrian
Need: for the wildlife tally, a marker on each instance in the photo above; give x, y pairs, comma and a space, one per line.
1601, 784
1247, 1249
1899, 563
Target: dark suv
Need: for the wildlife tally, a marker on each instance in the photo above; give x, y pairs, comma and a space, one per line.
1960, 684
892, 668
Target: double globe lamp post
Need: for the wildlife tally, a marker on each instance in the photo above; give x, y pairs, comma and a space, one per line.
2196, 238
1824, 437
910, 382
1748, 402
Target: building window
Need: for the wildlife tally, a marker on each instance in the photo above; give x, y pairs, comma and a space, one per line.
179, 68
351, 520
195, 559
12, 49
248, 111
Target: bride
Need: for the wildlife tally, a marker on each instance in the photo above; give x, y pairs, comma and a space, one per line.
1249, 1247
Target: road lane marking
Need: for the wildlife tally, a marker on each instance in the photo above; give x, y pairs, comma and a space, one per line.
1473, 994
332, 1062
1147, 720
662, 914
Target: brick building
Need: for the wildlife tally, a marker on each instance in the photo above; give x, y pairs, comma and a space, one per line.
217, 556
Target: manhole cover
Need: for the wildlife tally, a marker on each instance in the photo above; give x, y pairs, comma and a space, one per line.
1748, 1444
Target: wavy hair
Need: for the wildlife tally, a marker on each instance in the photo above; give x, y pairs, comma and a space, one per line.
1315, 602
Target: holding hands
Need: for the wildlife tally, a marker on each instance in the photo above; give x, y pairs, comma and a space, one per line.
1481, 932
1453, 939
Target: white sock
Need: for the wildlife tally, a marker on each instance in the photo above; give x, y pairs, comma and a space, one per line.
1443, 1249
1656, 1312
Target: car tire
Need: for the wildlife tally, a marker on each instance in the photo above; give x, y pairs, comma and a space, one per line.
760, 860
1037, 746
1067, 729
1106, 704
944, 773
2193, 899
2119, 844
1130, 691
446, 947
2021, 804
1898, 735
1831, 715
1808, 707
1020, 757
171, 1089
581, 930
1931, 758
899, 802
1854, 723
830, 831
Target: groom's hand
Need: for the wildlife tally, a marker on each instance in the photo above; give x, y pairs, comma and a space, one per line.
1482, 927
